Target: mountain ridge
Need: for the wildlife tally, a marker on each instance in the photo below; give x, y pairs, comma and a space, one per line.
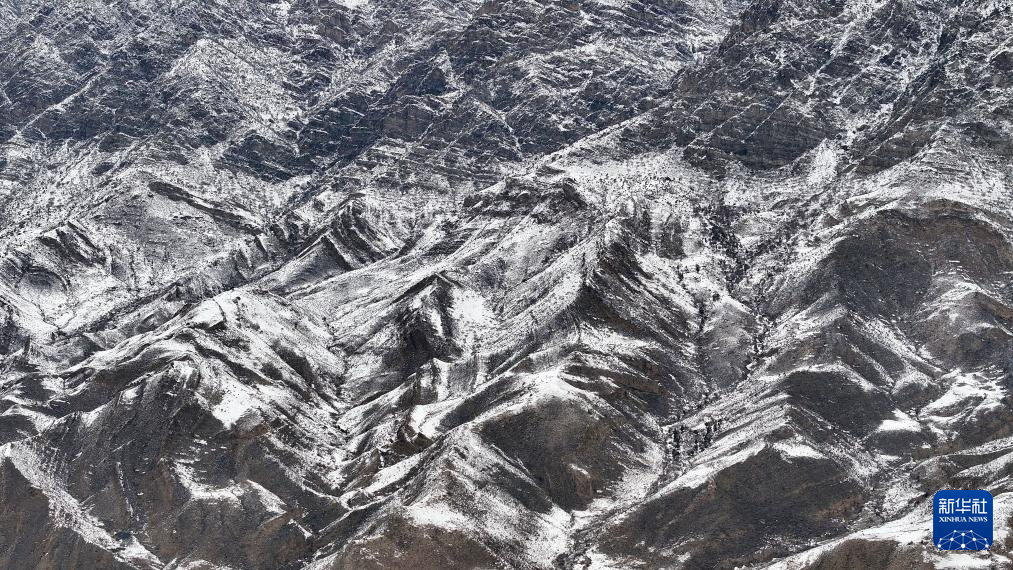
601, 284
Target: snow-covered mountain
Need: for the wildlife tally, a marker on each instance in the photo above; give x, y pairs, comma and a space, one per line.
352, 284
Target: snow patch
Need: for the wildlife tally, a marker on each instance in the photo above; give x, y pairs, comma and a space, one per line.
900, 422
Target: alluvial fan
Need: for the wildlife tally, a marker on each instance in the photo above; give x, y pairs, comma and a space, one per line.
534, 284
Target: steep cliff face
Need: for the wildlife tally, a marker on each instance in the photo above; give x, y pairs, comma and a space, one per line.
425, 284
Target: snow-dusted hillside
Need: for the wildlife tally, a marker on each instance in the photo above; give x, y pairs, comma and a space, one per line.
351, 284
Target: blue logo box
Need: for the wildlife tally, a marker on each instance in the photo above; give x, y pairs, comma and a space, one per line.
962, 520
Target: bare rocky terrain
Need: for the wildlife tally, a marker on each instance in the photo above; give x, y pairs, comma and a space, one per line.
579, 284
